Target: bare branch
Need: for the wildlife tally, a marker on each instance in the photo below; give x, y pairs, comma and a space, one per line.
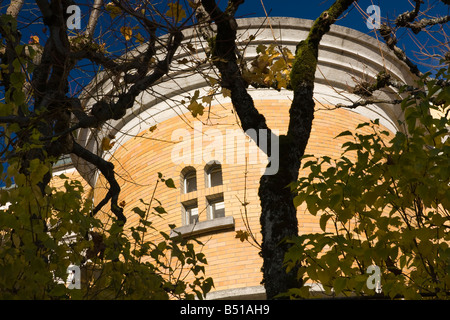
107, 169
418, 26
391, 41
223, 47
14, 8
365, 102
14, 119
93, 18
407, 17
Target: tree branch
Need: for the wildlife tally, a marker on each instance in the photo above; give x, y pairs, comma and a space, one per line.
407, 17
93, 18
14, 7
365, 102
107, 169
223, 48
418, 26
303, 77
391, 41
22, 121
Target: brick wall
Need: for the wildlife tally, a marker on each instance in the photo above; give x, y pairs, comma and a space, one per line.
231, 263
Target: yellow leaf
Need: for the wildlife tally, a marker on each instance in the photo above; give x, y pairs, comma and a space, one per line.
106, 143
282, 83
176, 11
207, 99
34, 40
139, 38
242, 235
226, 92
196, 108
212, 81
194, 5
113, 10
278, 66
288, 54
127, 32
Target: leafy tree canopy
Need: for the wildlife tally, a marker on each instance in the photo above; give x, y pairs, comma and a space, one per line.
384, 202
43, 229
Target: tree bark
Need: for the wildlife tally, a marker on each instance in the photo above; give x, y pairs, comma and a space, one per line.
53, 107
279, 215
14, 7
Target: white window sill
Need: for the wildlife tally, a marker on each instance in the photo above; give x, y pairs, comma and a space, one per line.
213, 225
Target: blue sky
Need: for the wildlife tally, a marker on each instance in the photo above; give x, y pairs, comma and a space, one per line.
289, 8
312, 9
389, 9
254, 8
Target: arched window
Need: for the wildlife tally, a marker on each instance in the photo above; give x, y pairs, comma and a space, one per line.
213, 174
202, 202
215, 202
189, 180
188, 185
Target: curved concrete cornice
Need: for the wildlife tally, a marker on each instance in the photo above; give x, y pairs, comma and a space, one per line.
345, 56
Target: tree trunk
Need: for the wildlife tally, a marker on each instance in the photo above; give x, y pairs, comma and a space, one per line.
279, 215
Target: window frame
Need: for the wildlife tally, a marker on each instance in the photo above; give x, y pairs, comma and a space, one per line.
210, 169
211, 202
192, 173
188, 216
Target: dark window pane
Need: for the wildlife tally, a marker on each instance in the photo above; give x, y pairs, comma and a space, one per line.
192, 215
215, 177
217, 209
190, 182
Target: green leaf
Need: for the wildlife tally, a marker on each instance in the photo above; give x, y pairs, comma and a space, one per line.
169, 183
339, 284
343, 134
298, 200
323, 221
160, 209
311, 203
17, 79
139, 211
19, 97
58, 291
362, 125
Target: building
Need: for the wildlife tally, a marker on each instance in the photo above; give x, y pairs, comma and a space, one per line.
215, 166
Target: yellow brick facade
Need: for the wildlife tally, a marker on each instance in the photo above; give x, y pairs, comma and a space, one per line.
231, 263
